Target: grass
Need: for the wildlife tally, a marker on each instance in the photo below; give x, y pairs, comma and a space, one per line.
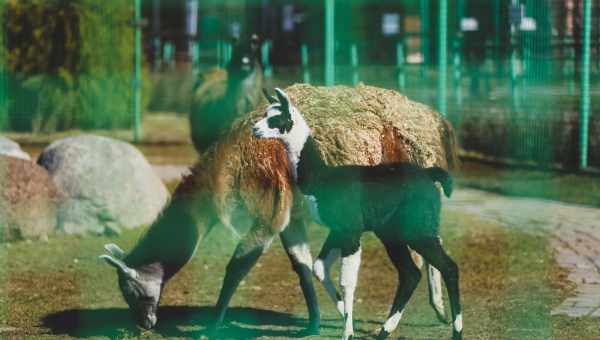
509, 285
578, 188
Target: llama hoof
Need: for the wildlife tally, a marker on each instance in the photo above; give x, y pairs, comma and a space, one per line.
213, 331
382, 335
314, 328
456, 335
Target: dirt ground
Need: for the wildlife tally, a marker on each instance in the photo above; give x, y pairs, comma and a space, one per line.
510, 283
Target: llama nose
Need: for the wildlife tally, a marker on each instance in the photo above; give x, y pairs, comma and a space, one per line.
256, 132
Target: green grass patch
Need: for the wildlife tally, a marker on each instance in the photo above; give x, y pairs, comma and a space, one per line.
576, 188
509, 284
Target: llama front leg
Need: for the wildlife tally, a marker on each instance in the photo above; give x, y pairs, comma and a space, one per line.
296, 245
328, 255
246, 254
351, 252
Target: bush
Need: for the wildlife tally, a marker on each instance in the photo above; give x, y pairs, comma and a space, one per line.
71, 64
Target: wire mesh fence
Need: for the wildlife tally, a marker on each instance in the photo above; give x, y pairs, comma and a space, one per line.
514, 67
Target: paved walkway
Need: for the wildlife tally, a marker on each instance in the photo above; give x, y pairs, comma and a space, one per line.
575, 232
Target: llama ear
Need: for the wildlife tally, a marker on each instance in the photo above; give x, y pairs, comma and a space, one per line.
284, 100
270, 98
120, 266
115, 250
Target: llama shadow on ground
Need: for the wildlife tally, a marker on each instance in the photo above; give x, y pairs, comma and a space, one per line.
176, 321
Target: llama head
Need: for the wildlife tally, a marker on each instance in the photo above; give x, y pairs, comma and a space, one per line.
245, 57
283, 121
140, 291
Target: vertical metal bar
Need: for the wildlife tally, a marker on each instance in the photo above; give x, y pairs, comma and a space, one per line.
585, 84
137, 81
329, 42
442, 54
456, 61
354, 63
305, 64
425, 30
496, 15
265, 52
400, 61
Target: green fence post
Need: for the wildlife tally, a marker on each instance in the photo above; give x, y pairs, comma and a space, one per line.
442, 54
424, 13
456, 62
585, 85
137, 81
219, 53
265, 52
354, 63
195, 58
305, 64
400, 61
329, 42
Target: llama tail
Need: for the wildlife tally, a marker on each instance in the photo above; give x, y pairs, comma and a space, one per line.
438, 174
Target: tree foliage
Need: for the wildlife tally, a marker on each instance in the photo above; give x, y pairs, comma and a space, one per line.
70, 62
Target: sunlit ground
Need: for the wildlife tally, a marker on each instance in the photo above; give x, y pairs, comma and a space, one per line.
509, 284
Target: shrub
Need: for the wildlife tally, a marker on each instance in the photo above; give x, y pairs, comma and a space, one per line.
71, 64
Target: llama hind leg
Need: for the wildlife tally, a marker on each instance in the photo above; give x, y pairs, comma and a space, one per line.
351, 258
434, 282
295, 242
328, 255
409, 276
246, 254
433, 253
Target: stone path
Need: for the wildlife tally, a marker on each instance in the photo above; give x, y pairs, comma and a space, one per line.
575, 232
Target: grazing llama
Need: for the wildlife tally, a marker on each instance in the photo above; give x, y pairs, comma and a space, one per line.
398, 202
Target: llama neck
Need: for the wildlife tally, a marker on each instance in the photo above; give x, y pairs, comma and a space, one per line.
309, 167
295, 143
243, 92
172, 239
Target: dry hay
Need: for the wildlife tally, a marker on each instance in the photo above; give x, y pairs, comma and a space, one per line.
366, 125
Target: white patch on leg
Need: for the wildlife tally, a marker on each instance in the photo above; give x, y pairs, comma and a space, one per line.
349, 272
348, 281
392, 322
458, 325
339, 305
435, 288
321, 269
301, 253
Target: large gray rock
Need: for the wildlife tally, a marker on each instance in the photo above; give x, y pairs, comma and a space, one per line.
12, 149
108, 184
28, 200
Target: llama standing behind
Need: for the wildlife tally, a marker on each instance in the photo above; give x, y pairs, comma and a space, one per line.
212, 117
399, 203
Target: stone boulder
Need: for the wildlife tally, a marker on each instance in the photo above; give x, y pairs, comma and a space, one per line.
108, 185
12, 149
28, 200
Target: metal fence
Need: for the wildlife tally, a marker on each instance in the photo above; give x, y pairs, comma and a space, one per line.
518, 78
